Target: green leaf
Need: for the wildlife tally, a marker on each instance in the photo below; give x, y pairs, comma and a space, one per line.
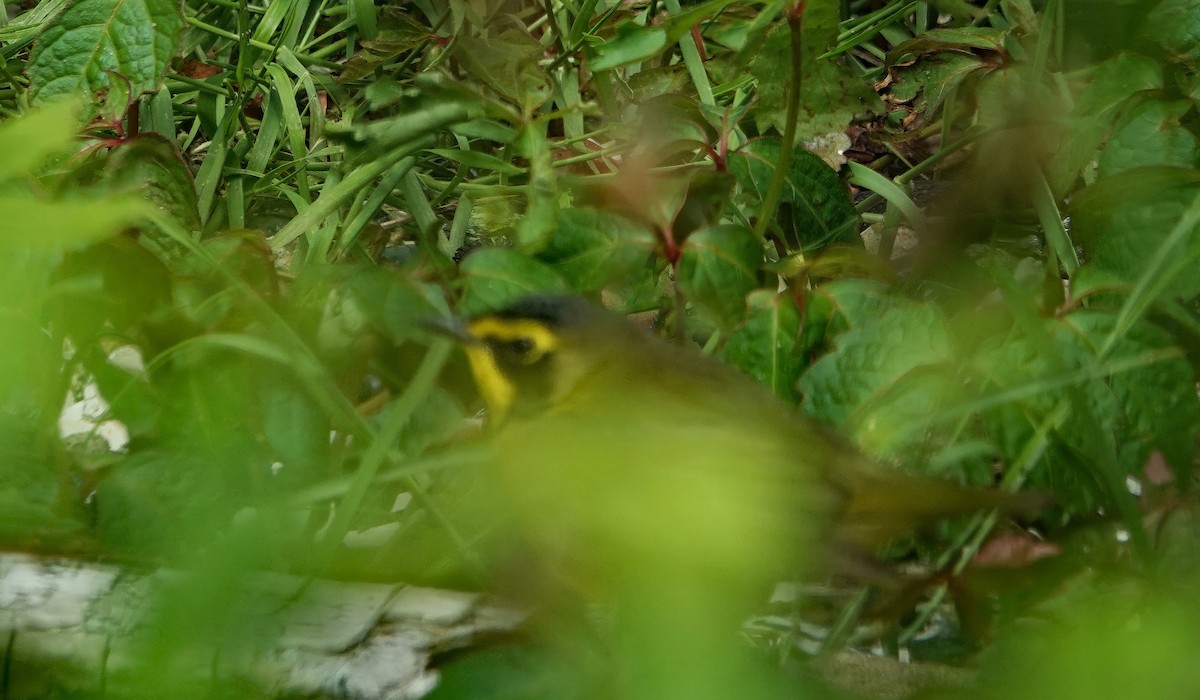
65, 224
486, 129
1175, 26
364, 14
535, 229
295, 430
511, 671
399, 33
111, 287
819, 211
394, 305
1136, 398
1117, 635
121, 47
765, 345
26, 26
507, 62
131, 398
888, 367
420, 115
831, 95
708, 195
29, 521
931, 80
956, 39
30, 139
718, 267
593, 248
1151, 132
153, 166
493, 277
1113, 82
859, 302
892, 193
438, 421
632, 44
475, 159
1121, 221
1157, 404
406, 305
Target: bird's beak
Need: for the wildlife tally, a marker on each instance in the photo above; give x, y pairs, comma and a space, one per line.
451, 327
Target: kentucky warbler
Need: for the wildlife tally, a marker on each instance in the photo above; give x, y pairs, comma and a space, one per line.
673, 488
623, 453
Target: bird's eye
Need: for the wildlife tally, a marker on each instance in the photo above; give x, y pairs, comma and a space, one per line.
522, 346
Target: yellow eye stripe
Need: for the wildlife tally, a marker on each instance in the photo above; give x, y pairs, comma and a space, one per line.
494, 386
494, 328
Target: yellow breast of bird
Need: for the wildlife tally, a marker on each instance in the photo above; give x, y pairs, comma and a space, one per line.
649, 481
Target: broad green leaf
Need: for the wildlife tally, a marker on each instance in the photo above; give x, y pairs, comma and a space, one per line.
294, 428
394, 306
928, 82
1159, 408
203, 468
1116, 79
718, 267
1113, 82
493, 277
113, 46
521, 672
153, 166
765, 346
708, 195
1116, 634
32, 518
1151, 132
65, 224
399, 33
892, 364
831, 95
1122, 406
438, 421
818, 212
110, 287
506, 61
407, 305
593, 248
1122, 221
132, 399
27, 141
859, 302
667, 82
1174, 25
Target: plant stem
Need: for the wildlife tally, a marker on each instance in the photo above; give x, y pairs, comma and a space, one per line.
770, 203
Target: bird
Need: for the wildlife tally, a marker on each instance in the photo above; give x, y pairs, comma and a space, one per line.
646, 476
